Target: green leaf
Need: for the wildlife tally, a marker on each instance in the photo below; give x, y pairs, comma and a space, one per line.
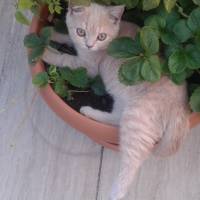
176, 62
169, 50
32, 41
156, 22
25, 4
188, 58
170, 39
41, 79
104, 2
192, 57
179, 78
97, 86
58, 9
167, 35
169, 4
51, 8
195, 100
149, 40
61, 88
80, 2
53, 74
193, 20
182, 31
35, 9
172, 19
66, 73
46, 34
151, 69
129, 72
35, 54
123, 47
150, 4
19, 16
77, 77
52, 70
137, 46
129, 3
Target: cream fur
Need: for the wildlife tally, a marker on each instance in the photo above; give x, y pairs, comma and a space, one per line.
151, 117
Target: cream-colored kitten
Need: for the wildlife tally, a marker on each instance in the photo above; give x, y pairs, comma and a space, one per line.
91, 29
151, 117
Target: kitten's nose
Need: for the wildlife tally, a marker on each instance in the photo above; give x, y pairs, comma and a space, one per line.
89, 46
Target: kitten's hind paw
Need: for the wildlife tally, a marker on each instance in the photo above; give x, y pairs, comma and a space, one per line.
87, 111
99, 115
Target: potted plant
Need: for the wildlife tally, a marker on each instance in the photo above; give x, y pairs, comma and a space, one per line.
168, 28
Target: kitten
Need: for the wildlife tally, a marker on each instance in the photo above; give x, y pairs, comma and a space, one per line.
151, 117
91, 29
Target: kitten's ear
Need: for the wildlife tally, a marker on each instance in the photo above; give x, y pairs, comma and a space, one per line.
72, 9
116, 12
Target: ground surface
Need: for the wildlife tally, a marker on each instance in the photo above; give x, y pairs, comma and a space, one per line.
42, 158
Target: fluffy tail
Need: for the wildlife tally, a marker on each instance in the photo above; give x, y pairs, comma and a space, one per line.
138, 138
140, 135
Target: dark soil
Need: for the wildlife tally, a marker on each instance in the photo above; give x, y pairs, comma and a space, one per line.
104, 103
193, 82
194, 79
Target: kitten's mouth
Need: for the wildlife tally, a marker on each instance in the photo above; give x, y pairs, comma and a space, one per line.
90, 48
93, 48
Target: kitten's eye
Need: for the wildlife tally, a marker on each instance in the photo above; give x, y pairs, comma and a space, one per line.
80, 32
102, 36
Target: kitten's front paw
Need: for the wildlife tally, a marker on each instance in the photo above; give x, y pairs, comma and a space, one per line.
87, 111
50, 56
46, 55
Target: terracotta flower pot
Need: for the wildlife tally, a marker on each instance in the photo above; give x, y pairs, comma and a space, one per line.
103, 134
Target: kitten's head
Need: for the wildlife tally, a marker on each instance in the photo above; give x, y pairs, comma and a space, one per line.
94, 27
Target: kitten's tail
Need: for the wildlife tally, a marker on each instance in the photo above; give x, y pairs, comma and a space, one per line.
176, 129
138, 135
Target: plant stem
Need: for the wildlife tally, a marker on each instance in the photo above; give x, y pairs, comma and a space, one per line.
78, 91
180, 10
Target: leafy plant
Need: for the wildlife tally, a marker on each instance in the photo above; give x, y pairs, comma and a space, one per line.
41, 79
77, 77
34, 6
66, 81
168, 42
97, 86
37, 43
